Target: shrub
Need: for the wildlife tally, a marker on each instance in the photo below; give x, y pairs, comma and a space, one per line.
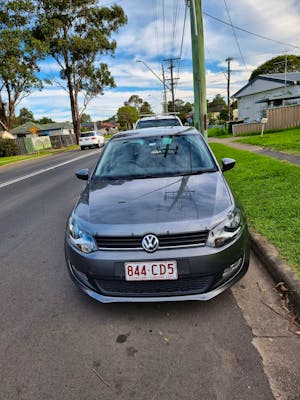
8, 147
212, 132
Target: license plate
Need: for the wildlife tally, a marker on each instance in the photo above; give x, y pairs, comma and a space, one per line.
151, 270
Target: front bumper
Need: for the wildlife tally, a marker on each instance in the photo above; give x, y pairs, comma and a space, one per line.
215, 269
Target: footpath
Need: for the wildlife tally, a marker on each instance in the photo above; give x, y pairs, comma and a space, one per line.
293, 159
283, 275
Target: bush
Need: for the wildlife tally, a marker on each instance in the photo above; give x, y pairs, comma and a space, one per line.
212, 132
8, 147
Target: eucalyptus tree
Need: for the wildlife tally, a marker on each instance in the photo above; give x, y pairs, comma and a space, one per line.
78, 33
19, 56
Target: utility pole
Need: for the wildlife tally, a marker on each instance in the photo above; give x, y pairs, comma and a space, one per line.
172, 84
165, 103
200, 106
228, 87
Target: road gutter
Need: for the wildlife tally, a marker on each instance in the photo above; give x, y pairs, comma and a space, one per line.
278, 269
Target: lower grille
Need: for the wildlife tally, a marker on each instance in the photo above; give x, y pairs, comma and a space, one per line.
165, 241
182, 286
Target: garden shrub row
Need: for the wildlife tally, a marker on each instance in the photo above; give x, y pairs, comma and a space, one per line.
8, 147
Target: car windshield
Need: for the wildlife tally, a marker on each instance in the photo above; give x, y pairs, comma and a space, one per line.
152, 123
154, 157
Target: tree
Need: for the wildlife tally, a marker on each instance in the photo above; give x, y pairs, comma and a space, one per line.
127, 116
146, 108
77, 33
278, 65
218, 100
45, 120
180, 107
134, 101
19, 57
25, 116
85, 118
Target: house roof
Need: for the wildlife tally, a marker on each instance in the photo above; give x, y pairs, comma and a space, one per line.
25, 128
56, 125
290, 78
107, 125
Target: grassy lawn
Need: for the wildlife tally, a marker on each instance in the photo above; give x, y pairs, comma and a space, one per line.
286, 141
269, 191
13, 159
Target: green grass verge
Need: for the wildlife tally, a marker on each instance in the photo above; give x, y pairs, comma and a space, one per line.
13, 159
286, 141
269, 191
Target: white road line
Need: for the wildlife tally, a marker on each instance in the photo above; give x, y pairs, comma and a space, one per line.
41, 171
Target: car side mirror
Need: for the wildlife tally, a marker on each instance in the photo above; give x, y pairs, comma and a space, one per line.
83, 174
227, 163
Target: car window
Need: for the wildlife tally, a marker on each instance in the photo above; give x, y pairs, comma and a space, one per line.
154, 156
87, 134
151, 123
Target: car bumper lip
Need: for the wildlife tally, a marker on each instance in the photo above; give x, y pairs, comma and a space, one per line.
87, 271
185, 297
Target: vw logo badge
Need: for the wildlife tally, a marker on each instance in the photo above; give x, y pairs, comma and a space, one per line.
150, 243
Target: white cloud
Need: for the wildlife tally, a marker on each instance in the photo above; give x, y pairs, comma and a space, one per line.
152, 38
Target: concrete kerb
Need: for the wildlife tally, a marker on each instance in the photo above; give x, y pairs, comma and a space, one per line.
279, 271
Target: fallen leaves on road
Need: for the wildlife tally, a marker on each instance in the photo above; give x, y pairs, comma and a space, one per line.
294, 320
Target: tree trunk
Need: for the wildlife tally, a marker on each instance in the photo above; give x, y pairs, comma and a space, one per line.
3, 118
74, 110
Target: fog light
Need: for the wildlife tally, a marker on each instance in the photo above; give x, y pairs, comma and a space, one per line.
81, 276
232, 268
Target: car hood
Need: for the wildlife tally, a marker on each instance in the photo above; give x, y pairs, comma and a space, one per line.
154, 205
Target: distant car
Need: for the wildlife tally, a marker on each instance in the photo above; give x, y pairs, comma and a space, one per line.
156, 221
156, 121
91, 139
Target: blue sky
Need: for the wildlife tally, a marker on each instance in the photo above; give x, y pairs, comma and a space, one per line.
154, 32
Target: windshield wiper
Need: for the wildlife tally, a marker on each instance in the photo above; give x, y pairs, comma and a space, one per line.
200, 171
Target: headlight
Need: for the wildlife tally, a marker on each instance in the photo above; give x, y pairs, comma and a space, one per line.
82, 240
227, 230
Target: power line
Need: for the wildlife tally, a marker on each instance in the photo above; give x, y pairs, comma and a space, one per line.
249, 32
175, 20
181, 45
164, 24
155, 23
235, 36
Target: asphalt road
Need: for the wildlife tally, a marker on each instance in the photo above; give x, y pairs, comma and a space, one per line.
56, 343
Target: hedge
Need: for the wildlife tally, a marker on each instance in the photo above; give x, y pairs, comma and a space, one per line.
8, 147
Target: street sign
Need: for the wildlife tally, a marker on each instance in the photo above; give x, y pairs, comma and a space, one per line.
33, 129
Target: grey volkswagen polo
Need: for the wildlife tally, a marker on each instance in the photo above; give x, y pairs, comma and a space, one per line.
156, 221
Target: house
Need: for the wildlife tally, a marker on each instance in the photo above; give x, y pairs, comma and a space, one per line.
265, 92
53, 129
214, 113
110, 127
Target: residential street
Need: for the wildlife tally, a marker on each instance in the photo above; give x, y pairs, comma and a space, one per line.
56, 343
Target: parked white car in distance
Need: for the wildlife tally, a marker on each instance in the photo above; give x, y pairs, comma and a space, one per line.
154, 121
91, 139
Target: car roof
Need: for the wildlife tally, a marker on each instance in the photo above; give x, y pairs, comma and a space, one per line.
154, 117
157, 131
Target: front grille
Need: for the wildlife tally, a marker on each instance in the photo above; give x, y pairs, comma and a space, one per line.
165, 241
182, 286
